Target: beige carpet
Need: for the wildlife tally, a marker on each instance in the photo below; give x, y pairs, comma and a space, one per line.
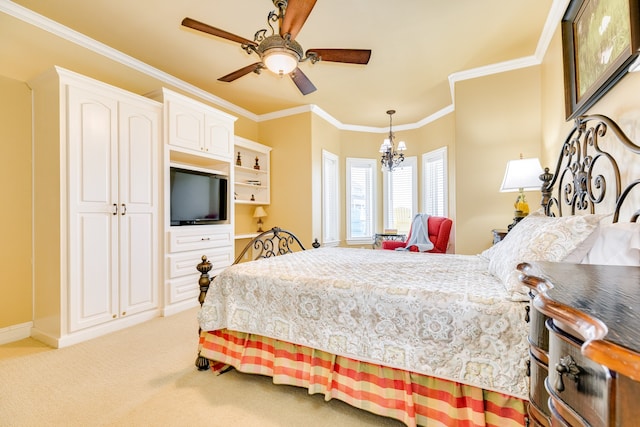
144, 376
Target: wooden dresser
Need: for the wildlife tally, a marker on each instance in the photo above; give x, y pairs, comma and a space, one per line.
585, 344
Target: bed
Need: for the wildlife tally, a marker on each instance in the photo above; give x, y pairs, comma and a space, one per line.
428, 339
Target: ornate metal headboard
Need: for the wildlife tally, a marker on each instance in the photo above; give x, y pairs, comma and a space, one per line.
274, 242
588, 172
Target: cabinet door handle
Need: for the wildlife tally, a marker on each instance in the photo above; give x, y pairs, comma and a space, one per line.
205, 238
124, 209
115, 209
567, 366
526, 316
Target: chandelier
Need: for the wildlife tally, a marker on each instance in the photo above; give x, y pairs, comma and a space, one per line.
391, 156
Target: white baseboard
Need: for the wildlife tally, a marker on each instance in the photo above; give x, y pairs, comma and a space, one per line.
179, 307
43, 337
93, 332
15, 332
25, 330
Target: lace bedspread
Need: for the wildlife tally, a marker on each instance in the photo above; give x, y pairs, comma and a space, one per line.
435, 314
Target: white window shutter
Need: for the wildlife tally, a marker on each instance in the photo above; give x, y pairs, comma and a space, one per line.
361, 199
434, 186
330, 199
400, 195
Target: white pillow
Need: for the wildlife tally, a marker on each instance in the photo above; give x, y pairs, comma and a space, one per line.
538, 238
488, 253
577, 255
616, 244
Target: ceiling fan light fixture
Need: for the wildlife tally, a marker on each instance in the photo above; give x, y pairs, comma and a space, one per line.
279, 52
280, 61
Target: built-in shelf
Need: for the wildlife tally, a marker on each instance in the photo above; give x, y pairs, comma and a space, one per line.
251, 172
246, 236
181, 157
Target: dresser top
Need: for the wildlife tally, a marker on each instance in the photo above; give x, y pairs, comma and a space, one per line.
609, 294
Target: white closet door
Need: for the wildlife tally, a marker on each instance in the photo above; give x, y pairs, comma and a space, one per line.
92, 194
138, 216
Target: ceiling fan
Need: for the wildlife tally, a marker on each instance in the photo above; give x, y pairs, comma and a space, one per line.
280, 53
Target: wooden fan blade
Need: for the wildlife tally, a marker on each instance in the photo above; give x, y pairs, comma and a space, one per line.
302, 82
241, 72
200, 26
349, 56
295, 16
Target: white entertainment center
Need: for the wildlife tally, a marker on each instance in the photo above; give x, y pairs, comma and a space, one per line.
201, 138
105, 253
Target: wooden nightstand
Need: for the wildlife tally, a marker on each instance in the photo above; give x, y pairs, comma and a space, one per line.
585, 362
498, 235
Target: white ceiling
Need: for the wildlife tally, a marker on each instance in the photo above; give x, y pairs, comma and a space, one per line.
417, 45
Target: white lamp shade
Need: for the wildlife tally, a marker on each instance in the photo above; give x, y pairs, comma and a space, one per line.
259, 212
280, 61
402, 146
522, 174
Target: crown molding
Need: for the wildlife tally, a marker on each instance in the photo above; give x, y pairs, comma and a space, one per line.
556, 12
553, 18
55, 28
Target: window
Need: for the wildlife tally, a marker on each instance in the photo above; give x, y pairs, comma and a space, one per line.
361, 186
400, 195
330, 199
434, 185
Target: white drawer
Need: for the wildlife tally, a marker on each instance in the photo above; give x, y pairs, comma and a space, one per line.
187, 287
184, 288
200, 237
183, 264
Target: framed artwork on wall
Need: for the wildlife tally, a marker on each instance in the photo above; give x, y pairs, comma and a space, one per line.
600, 41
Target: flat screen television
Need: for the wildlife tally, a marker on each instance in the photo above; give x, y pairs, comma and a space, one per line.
197, 198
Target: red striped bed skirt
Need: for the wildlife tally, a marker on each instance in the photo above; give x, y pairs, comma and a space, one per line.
412, 398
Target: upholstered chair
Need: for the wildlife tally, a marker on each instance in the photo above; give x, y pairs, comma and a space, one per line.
439, 231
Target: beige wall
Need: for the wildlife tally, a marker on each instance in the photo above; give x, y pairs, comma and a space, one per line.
16, 213
324, 136
291, 179
244, 127
497, 119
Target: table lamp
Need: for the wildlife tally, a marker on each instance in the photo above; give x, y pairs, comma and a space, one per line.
259, 213
521, 175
